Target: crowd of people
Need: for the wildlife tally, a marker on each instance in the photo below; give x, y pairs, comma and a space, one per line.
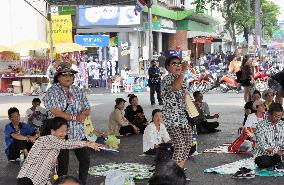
49, 133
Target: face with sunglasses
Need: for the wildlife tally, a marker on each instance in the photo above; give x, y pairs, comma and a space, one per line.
175, 66
66, 79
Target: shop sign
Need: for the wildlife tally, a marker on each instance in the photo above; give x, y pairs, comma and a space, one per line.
202, 40
92, 40
107, 16
165, 23
125, 50
155, 26
61, 29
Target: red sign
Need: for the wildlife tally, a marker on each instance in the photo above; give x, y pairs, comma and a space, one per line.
202, 40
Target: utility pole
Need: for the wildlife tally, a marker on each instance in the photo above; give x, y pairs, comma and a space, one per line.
149, 4
258, 32
50, 32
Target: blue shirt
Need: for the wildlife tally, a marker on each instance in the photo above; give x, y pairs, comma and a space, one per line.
25, 130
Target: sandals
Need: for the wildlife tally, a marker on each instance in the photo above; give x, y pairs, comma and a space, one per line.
243, 173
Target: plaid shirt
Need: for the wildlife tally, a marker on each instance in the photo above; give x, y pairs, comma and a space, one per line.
77, 102
269, 136
42, 158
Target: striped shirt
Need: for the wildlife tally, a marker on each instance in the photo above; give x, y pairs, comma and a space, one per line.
269, 136
77, 103
42, 158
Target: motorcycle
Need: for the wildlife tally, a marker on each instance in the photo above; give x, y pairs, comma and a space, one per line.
228, 83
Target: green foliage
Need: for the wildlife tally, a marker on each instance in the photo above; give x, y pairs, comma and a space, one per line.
239, 14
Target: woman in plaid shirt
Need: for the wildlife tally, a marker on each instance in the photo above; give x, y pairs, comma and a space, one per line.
43, 155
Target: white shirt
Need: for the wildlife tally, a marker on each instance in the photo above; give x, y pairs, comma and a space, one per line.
38, 120
252, 120
153, 137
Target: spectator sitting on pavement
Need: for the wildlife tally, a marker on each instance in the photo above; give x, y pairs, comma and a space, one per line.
269, 139
67, 180
36, 115
41, 160
18, 135
134, 113
155, 133
250, 126
204, 126
168, 173
249, 105
118, 124
268, 95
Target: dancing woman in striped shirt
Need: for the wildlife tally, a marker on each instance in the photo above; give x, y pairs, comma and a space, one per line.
43, 155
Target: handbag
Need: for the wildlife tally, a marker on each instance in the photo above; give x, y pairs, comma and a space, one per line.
190, 107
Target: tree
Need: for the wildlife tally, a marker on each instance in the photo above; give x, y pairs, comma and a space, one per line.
239, 15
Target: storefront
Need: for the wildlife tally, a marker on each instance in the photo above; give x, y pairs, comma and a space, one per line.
122, 27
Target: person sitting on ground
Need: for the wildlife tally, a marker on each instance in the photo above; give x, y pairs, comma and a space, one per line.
118, 124
250, 126
268, 95
204, 126
168, 173
43, 155
269, 138
18, 135
249, 105
134, 113
67, 180
36, 115
155, 133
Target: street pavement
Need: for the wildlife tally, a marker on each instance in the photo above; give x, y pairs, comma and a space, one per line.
229, 105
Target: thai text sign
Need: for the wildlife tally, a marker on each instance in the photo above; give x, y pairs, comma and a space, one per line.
92, 40
61, 29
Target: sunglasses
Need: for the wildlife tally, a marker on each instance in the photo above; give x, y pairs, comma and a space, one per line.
67, 74
176, 63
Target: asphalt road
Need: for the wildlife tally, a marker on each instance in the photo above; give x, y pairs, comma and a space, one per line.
231, 114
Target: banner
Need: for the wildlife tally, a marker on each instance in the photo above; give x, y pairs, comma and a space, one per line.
61, 29
92, 40
108, 16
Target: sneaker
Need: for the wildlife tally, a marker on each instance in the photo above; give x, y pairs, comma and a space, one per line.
187, 178
280, 167
243, 173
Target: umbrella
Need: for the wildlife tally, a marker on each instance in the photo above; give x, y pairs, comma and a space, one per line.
4, 48
67, 47
30, 45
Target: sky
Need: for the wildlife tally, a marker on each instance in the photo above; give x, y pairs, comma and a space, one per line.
281, 4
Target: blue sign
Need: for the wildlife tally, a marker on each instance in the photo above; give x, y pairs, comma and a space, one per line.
92, 40
107, 16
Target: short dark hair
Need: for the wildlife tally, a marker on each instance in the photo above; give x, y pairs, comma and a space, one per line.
66, 178
155, 111
57, 122
36, 100
168, 173
12, 110
257, 92
119, 100
275, 107
131, 96
169, 59
196, 93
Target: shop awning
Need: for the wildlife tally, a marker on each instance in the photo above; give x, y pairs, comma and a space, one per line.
163, 30
194, 34
90, 2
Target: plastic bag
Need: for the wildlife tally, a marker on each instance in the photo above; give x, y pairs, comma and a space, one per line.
112, 141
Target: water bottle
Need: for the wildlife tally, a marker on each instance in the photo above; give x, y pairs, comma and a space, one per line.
22, 157
194, 138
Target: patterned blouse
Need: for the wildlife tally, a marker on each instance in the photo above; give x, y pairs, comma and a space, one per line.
269, 136
42, 158
76, 101
174, 103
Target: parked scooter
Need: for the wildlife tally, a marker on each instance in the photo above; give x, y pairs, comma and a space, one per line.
227, 83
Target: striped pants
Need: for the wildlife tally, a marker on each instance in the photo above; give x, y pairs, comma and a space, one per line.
181, 138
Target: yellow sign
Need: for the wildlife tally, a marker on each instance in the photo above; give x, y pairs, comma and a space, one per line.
61, 29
